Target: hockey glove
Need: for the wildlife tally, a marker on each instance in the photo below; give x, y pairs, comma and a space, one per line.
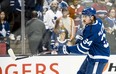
78, 39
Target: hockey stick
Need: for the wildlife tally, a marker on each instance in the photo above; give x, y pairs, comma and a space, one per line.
19, 58
13, 56
11, 53
27, 56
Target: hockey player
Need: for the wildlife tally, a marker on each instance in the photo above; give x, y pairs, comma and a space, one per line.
94, 44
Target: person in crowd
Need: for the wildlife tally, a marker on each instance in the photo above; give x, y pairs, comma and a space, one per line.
15, 15
46, 6
101, 9
39, 8
61, 40
64, 22
5, 33
4, 29
110, 27
50, 18
110, 23
94, 44
55, 33
75, 10
68, 23
35, 29
14, 18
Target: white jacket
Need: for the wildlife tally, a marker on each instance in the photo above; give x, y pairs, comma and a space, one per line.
50, 18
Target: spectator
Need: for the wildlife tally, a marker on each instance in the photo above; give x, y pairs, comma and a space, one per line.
110, 25
5, 32
75, 12
101, 9
45, 6
60, 41
68, 23
51, 15
15, 10
4, 29
15, 17
39, 8
55, 33
35, 29
50, 18
75, 9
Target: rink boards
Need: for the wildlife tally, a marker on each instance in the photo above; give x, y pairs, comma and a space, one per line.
68, 64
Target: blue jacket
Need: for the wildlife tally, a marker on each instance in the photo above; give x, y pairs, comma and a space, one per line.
6, 28
94, 43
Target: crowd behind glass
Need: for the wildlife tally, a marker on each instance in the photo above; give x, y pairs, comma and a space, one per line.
62, 22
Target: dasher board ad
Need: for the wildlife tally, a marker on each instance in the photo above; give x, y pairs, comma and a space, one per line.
68, 64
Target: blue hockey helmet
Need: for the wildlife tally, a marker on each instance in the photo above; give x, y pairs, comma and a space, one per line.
89, 11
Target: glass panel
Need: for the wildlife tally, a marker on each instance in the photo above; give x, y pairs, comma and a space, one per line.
18, 21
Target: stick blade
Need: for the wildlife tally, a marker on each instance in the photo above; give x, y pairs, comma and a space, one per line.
19, 58
11, 53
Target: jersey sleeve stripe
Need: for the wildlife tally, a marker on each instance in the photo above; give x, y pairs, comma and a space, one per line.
81, 50
83, 46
